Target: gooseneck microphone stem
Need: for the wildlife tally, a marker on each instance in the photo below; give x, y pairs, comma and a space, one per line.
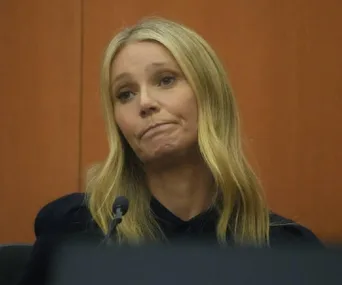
120, 208
112, 226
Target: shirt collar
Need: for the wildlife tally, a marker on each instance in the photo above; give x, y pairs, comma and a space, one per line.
204, 222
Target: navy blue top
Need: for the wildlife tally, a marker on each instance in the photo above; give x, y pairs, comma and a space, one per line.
69, 216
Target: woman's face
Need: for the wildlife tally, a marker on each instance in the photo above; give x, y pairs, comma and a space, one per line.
155, 107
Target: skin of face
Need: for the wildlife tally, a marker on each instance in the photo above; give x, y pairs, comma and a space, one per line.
154, 106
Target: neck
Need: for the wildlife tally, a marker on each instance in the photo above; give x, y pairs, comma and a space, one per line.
185, 189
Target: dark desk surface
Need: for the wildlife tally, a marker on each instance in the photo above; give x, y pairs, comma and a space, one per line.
161, 265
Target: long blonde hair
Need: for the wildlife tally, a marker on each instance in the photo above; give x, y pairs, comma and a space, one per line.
240, 201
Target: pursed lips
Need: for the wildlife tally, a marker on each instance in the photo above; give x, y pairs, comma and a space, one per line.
152, 127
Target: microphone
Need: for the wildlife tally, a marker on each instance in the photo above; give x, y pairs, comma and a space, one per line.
120, 208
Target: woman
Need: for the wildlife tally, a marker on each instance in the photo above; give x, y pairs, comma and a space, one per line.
175, 153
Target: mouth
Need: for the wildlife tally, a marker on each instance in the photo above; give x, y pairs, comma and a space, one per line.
150, 128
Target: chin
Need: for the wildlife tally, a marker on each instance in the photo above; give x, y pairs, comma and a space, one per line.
167, 154
162, 152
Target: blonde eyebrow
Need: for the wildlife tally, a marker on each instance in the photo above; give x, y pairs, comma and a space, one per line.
153, 65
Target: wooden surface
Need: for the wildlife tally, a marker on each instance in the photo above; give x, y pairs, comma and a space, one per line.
39, 109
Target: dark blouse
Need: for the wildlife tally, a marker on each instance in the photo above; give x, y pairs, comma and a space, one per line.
69, 215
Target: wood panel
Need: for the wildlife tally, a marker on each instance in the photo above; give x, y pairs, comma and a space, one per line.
284, 61
39, 109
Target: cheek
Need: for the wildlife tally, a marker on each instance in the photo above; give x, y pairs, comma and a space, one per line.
124, 123
184, 104
189, 109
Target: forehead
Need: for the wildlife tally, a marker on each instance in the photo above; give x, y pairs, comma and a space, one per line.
141, 54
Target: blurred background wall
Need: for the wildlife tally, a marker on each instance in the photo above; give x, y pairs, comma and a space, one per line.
284, 61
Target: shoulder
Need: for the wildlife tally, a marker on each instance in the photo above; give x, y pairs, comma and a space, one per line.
65, 218
285, 232
68, 213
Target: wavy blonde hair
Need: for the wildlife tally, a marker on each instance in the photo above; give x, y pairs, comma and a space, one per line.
240, 203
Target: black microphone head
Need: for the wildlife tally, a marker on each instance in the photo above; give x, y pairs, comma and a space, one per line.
121, 203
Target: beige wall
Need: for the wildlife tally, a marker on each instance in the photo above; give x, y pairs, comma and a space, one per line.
283, 59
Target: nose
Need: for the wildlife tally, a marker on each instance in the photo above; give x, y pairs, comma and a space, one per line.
148, 105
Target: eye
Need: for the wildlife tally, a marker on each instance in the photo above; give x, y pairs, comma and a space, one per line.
124, 96
167, 80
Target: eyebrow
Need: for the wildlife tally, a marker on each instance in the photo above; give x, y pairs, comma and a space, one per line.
152, 65
120, 76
